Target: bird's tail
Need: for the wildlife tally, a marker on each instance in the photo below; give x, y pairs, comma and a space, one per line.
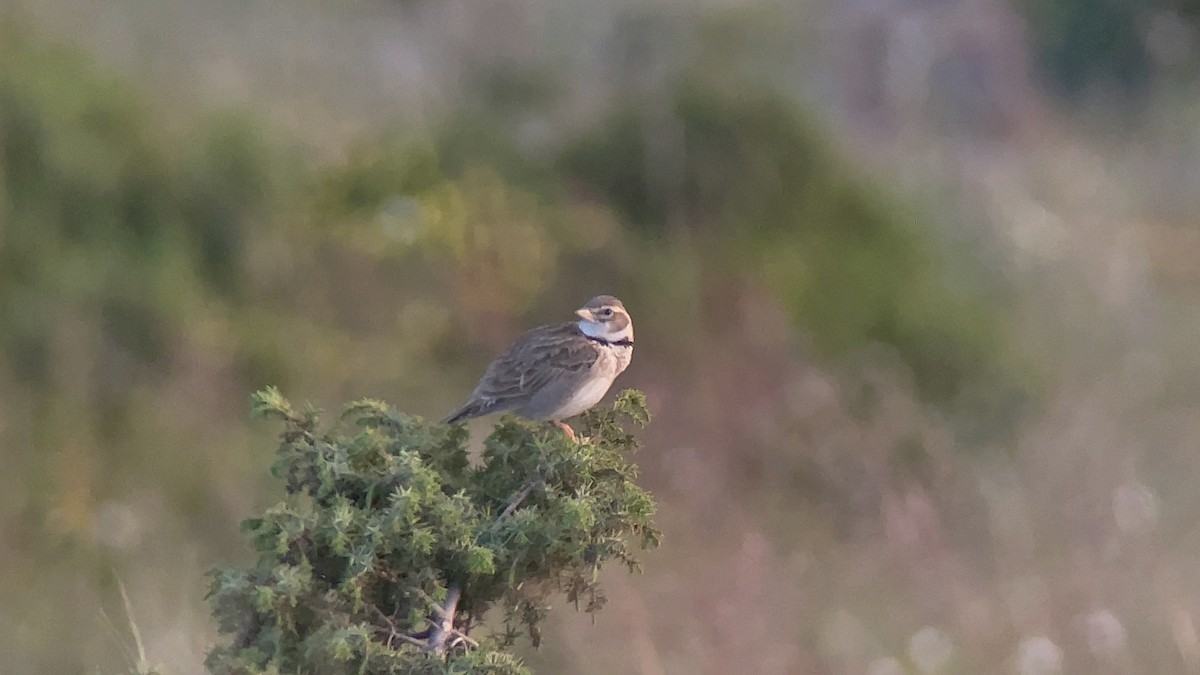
472, 408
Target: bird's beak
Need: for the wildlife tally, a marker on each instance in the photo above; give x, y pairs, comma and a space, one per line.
585, 314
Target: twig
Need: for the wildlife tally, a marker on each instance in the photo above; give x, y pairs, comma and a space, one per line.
143, 665
407, 638
442, 635
437, 607
458, 637
516, 501
393, 632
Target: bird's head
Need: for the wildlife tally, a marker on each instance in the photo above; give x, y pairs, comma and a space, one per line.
604, 317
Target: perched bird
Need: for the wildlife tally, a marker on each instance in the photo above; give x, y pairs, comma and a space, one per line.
557, 371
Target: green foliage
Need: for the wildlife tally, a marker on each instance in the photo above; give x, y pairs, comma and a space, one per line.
388, 522
1085, 46
1080, 43
763, 190
111, 225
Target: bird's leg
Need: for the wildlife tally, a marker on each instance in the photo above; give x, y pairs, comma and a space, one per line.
566, 429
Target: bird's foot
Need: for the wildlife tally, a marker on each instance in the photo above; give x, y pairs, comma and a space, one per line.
566, 429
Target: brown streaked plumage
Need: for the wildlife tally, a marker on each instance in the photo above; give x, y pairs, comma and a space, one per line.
557, 371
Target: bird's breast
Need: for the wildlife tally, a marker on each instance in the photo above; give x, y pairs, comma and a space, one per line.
621, 355
586, 396
612, 361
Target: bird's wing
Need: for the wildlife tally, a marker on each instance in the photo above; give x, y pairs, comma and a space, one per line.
539, 357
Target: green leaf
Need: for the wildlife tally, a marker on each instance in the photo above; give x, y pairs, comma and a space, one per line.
264, 598
269, 403
481, 561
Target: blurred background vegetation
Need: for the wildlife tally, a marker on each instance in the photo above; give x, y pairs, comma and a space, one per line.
915, 284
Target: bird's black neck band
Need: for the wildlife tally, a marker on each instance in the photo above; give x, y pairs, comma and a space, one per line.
624, 342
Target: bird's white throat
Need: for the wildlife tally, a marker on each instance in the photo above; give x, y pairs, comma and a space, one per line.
601, 331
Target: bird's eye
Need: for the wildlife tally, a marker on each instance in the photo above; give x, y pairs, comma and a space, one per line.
606, 313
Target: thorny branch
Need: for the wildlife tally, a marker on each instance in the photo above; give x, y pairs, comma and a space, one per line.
520, 497
441, 637
443, 630
393, 631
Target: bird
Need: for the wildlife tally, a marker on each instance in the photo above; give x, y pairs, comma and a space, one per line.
556, 371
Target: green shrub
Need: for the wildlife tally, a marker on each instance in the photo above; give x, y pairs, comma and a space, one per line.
392, 546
